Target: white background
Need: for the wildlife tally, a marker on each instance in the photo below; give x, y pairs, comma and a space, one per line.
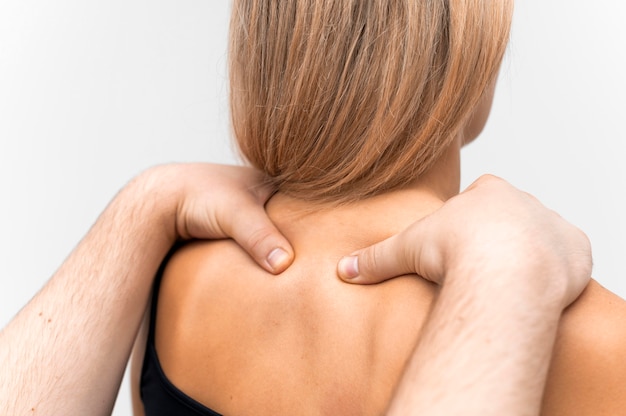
91, 93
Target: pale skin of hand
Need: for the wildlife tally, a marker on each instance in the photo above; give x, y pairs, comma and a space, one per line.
66, 350
507, 267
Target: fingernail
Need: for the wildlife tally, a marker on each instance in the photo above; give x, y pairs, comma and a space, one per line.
348, 267
278, 259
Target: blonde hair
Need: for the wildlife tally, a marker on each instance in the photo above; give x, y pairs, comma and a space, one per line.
338, 100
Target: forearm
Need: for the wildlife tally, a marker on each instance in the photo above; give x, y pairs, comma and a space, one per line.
483, 352
507, 267
65, 354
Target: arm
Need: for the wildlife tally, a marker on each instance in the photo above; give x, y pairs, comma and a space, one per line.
483, 352
508, 266
65, 352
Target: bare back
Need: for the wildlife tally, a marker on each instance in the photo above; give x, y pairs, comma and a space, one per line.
242, 341
239, 339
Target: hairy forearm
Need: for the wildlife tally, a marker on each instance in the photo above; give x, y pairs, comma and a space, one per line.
484, 351
507, 267
65, 352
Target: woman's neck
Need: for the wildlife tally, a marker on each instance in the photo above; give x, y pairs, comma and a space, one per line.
443, 179
314, 227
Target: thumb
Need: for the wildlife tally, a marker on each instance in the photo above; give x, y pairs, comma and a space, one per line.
401, 254
378, 262
257, 235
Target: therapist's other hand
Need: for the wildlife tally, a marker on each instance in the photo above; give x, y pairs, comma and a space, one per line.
490, 227
219, 201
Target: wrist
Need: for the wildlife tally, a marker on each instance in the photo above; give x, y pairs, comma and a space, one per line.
153, 196
522, 287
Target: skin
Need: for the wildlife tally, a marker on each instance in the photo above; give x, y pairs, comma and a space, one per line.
230, 325
66, 350
509, 225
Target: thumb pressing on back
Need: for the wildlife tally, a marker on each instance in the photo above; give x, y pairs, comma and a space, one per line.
409, 252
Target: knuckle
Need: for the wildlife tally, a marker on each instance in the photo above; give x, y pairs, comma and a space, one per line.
370, 260
489, 178
255, 239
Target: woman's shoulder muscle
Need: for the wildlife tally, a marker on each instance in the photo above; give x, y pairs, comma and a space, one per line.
588, 371
235, 337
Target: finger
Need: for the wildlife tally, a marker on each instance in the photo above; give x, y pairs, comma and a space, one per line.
255, 233
377, 263
483, 180
410, 252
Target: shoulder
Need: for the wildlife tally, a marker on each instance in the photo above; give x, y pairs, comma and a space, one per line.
199, 267
198, 315
588, 371
197, 286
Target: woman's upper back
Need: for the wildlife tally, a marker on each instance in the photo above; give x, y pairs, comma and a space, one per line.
242, 341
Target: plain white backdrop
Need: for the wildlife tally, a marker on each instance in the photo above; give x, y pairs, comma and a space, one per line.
91, 93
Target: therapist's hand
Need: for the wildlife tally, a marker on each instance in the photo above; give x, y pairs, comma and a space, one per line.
219, 201
93, 305
490, 227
